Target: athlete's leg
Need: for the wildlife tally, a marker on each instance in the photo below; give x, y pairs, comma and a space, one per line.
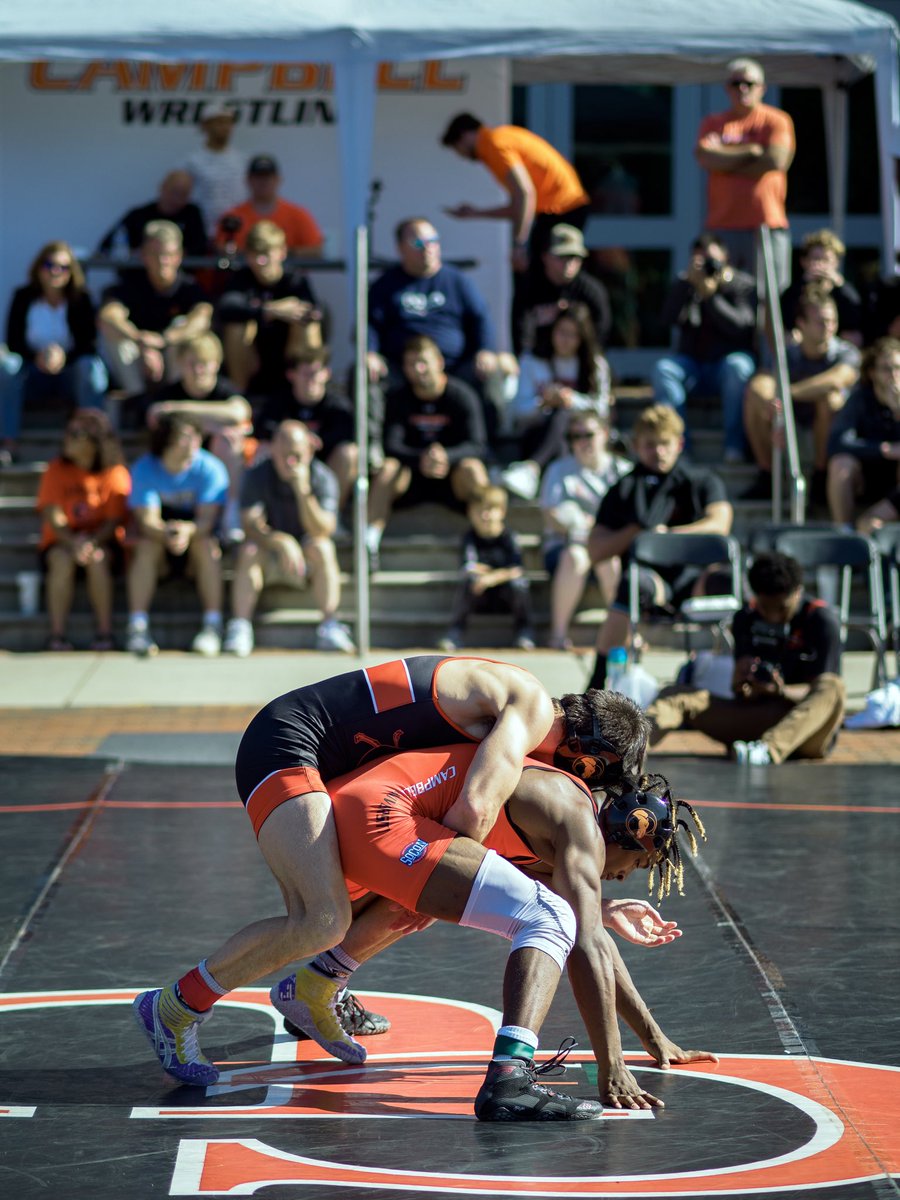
299, 844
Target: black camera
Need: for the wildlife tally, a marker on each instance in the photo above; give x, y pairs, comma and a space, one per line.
763, 672
711, 266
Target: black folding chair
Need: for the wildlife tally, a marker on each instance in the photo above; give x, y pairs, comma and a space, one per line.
887, 539
662, 551
849, 553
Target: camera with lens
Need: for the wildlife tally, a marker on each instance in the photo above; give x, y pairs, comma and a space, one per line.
763, 672
711, 266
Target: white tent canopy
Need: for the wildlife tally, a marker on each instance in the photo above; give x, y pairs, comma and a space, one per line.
813, 42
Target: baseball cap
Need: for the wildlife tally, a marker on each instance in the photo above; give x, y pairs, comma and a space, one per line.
263, 164
216, 108
566, 240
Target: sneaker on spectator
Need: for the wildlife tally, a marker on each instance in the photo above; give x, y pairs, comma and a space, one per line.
139, 641
451, 641
238, 637
525, 640
208, 641
754, 754
560, 642
523, 479
333, 635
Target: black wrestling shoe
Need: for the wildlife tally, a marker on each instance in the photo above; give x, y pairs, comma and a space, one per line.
511, 1092
353, 1017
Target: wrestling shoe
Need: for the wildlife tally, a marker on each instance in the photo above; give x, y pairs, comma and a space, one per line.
310, 1002
172, 1030
512, 1092
353, 1017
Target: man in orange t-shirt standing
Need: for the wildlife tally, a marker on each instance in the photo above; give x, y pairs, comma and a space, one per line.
747, 151
543, 187
265, 204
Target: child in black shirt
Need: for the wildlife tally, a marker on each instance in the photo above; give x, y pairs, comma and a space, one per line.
493, 577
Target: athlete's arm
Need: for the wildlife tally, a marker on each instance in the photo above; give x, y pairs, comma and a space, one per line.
632, 1009
513, 713
561, 826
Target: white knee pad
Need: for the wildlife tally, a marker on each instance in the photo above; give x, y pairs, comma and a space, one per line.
523, 911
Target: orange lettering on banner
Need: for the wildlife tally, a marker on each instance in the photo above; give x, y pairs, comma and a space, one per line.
40, 78
226, 72
118, 72
295, 77
434, 80
389, 82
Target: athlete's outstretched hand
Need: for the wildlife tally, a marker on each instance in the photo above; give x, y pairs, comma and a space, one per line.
638, 922
620, 1089
667, 1054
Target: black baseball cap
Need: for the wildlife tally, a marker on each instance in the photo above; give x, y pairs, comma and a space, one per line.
263, 164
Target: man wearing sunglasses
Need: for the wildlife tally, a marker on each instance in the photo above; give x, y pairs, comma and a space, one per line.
747, 151
422, 296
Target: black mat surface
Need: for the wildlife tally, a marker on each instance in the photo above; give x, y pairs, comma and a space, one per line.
119, 877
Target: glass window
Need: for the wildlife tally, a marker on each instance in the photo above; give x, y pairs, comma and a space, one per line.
623, 147
808, 177
637, 282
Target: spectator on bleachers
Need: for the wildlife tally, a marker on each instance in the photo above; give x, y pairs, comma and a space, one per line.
662, 494
434, 441
747, 151
305, 395
572, 376
266, 313
173, 204
821, 259
423, 296
493, 576
150, 312
712, 307
178, 494
822, 368
289, 509
543, 188
265, 204
216, 168
572, 489
83, 501
202, 395
51, 335
556, 282
783, 639
864, 445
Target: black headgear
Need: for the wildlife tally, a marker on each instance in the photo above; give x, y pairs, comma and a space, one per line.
589, 756
642, 815
639, 820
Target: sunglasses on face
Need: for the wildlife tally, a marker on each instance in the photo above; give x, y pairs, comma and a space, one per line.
52, 264
423, 243
743, 83
582, 435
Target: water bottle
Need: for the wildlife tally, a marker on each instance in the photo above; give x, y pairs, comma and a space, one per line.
616, 667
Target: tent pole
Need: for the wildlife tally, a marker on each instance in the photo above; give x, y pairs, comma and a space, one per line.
834, 105
361, 408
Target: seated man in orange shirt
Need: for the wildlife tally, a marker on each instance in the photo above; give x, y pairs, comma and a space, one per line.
747, 151
263, 180
543, 187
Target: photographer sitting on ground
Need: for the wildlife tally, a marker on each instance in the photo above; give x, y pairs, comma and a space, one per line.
788, 692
